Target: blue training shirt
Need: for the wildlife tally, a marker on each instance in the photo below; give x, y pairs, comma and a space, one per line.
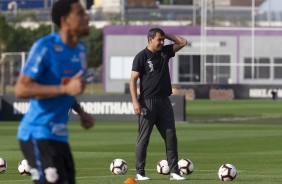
51, 62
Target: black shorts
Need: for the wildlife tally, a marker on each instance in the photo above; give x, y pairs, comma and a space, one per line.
50, 161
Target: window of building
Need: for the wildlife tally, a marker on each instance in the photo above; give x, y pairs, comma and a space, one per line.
262, 71
189, 68
248, 68
120, 67
278, 68
217, 68
257, 68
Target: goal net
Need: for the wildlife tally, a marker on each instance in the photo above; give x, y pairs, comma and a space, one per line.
10, 65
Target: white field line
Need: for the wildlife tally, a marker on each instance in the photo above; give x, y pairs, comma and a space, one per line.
14, 181
238, 119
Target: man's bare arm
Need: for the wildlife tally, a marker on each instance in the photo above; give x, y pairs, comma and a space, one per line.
27, 87
133, 92
87, 120
179, 42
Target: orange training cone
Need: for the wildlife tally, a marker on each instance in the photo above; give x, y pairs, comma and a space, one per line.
130, 181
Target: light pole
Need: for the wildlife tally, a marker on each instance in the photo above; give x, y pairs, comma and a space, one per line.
123, 4
269, 13
52, 24
194, 12
203, 39
253, 39
46, 4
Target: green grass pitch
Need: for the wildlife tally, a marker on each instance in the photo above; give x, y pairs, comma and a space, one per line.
245, 133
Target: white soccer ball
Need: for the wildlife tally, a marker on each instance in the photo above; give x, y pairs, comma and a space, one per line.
162, 167
3, 165
118, 166
227, 172
24, 168
185, 166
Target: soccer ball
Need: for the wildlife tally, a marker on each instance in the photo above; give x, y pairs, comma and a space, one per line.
118, 167
24, 168
185, 166
227, 172
162, 167
3, 165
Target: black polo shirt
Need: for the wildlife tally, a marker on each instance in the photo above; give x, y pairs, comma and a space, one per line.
154, 72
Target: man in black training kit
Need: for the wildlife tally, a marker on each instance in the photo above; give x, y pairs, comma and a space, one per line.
153, 106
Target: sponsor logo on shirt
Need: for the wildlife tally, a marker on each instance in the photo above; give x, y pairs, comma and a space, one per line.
68, 71
59, 129
75, 58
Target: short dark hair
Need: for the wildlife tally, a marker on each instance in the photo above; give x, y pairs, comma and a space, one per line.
61, 8
152, 32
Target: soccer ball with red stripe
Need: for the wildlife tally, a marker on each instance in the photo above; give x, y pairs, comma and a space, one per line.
185, 166
162, 167
3, 165
227, 172
118, 166
24, 168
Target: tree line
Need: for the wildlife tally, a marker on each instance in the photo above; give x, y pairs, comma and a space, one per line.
19, 39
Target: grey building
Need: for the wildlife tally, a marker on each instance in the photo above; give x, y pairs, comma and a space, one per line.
219, 55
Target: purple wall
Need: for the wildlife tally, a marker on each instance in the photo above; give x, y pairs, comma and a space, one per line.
190, 30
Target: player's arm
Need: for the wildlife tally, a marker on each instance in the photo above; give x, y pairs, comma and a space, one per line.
179, 42
87, 121
133, 92
27, 87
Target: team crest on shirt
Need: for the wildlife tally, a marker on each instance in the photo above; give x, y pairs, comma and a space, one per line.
58, 47
151, 66
59, 129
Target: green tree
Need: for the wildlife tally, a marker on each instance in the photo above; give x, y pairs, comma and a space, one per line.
4, 33
4, 37
94, 47
24, 16
21, 39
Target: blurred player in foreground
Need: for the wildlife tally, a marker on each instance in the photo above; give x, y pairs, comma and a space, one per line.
153, 106
51, 78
